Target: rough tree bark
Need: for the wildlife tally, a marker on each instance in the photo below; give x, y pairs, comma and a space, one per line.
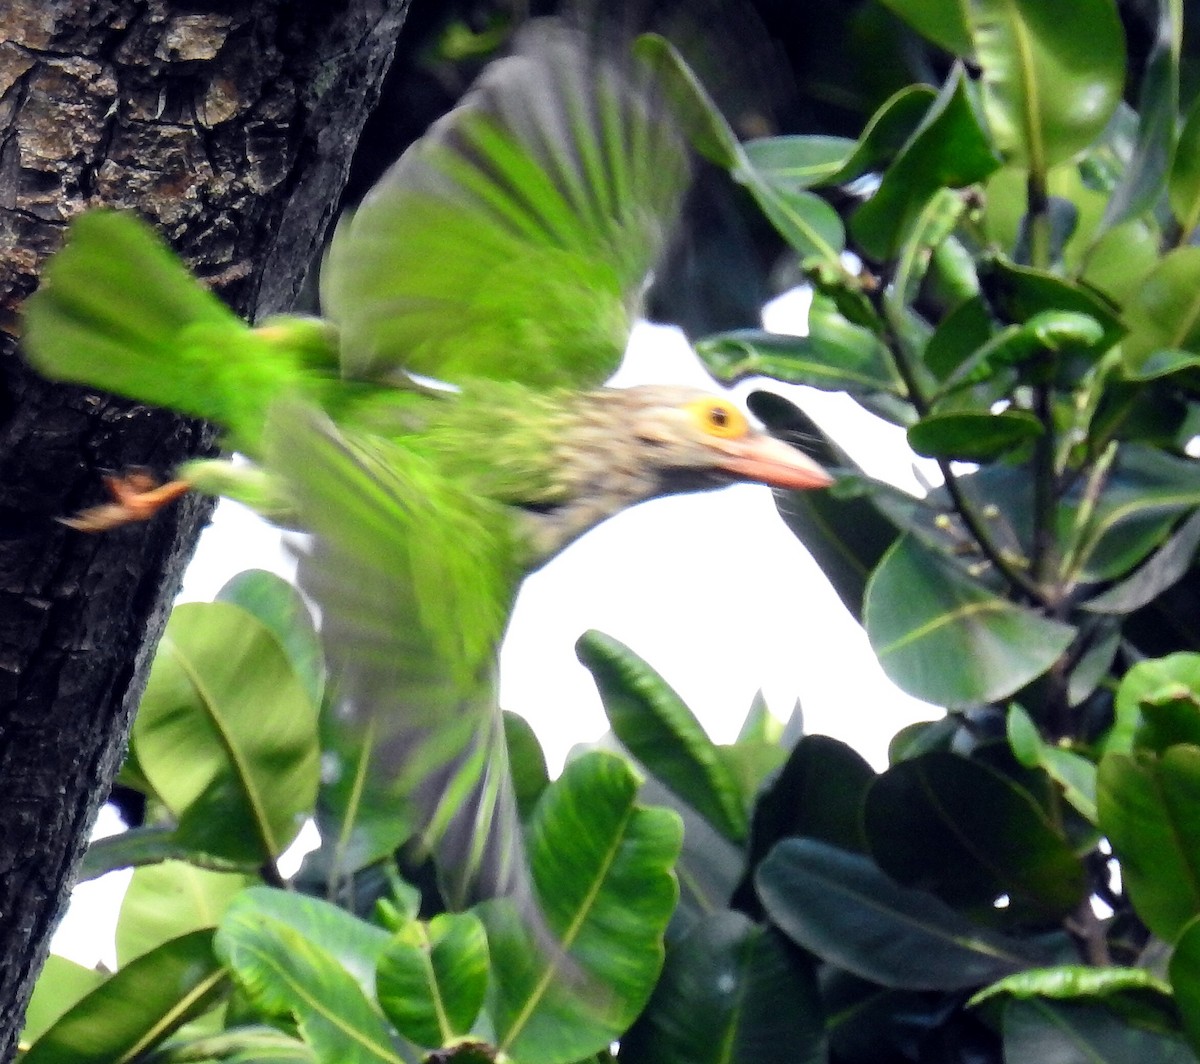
230, 125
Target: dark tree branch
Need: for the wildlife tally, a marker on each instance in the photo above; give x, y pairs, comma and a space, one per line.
232, 129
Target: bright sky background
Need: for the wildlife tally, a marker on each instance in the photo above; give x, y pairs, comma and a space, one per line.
711, 589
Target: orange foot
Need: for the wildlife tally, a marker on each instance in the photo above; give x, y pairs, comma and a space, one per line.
136, 497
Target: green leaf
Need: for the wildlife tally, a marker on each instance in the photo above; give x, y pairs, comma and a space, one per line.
842, 908
164, 901
949, 150
1162, 697
602, 867
1183, 185
60, 984
1051, 75
818, 794
963, 831
844, 358
1072, 1033
973, 437
1118, 260
942, 21
1075, 774
353, 944
145, 846
1141, 183
526, 761
731, 991
656, 727
226, 734
279, 606
138, 1008
283, 973
798, 162
432, 978
889, 129
1022, 293
1069, 981
946, 638
1148, 809
1164, 568
1185, 979
1165, 310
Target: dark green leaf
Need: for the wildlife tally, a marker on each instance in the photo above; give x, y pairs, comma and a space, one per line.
889, 129
145, 846
1051, 75
960, 829
1161, 570
949, 640
842, 908
1185, 979
942, 21
1165, 310
960, 334
731, 991
973, 437
656, 727
602, 867
798, 162
1023, 293
1075, 774
1070, 1033
432, 978
1183, 188
844, 358
1148, 809
526, 761
949, 150
138, 1008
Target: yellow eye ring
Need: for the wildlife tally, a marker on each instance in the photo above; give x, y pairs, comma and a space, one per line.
719, 417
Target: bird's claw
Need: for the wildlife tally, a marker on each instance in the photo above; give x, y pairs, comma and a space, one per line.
135, 497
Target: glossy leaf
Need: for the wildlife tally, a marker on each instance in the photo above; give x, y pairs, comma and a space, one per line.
1165, 309
1147, 809
656, 727
1072, 1033
226, 733
731, 991
1183, 187
846, 359
284, 973
945, 638
1141, 183
973, 437
1023, 293
602, 867
949, 150
164, 901
942, 21
526, 761
963, 831
842, 908
1051, 75
1119, 259
432, 978
279, 606
1075, 774
889, 129
138, 1008
353, 944
1185, 979
798, 161
1162, 695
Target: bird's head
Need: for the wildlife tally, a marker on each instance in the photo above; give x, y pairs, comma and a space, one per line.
622, 446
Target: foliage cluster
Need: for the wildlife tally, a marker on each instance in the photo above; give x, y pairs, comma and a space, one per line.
1004, 266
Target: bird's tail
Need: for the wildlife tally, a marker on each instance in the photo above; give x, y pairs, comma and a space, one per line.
118, 311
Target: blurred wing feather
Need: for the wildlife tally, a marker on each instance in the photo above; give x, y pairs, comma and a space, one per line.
415, 582
513, 240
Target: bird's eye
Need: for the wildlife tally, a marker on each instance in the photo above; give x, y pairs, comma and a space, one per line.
719, 417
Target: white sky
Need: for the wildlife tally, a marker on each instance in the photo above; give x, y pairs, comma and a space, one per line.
712, 590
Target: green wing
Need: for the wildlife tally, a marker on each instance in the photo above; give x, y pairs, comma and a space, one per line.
415, 582
117, 310
513, 240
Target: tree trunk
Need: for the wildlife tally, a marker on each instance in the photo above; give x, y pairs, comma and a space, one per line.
230, 126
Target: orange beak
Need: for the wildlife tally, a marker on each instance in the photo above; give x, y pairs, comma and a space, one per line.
766, 460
